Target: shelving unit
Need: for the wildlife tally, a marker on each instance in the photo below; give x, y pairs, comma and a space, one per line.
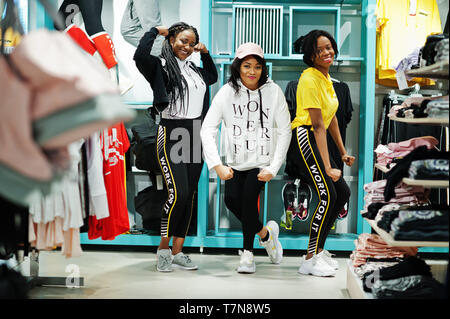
427, 183
403, 243
354, 284
438, 70
425, 120
382, 168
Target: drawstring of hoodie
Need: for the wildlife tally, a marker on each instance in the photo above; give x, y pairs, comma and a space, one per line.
260, 106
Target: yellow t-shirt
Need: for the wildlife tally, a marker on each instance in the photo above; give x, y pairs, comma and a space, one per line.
400, 30
11, 40
314, 90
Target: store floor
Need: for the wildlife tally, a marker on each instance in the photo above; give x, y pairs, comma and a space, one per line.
123, 275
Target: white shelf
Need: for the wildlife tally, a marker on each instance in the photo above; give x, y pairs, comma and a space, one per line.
424, 120
438, 70
382, 168
426, 183
134, 169
354, 284
403, 243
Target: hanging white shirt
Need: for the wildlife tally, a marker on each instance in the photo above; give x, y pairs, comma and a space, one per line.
193, 97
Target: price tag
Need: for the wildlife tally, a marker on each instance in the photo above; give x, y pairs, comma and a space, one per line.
401, 80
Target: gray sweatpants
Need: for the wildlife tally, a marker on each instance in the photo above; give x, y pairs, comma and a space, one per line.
138, 18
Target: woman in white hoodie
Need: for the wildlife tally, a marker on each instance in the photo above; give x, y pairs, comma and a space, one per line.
256, 125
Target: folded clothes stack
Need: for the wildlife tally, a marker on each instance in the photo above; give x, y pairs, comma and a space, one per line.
424, 225
434, 50
421, 107
442, 50
437, 109
430, 169
401, 170
404, 194
428, 222
407, 278
387, 153
373, 246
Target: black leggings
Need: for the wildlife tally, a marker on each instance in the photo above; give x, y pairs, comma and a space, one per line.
91, 10
305, 162
241, 198
181, 176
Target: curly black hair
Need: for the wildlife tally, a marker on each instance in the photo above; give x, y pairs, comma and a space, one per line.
177, 84
235, 70
307, 45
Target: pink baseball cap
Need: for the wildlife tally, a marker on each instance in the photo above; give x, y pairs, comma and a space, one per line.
249, 48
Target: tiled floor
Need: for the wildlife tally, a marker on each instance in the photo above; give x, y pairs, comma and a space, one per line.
124, 275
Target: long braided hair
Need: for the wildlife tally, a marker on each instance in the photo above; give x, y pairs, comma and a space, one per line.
177, 86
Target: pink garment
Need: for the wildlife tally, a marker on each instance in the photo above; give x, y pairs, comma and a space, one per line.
408, 102
404, 194
393, 111
19, 150
413, 143
377, 187
386, 153
373, 246
49, 236
59, 81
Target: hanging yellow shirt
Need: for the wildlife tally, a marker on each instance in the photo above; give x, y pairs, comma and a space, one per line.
400, 30
314, 90
12, 39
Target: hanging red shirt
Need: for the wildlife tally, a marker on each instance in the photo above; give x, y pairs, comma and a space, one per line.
114, 146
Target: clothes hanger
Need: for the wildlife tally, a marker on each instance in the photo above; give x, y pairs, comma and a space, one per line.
339, 64
395, 96
415, 91
335, 80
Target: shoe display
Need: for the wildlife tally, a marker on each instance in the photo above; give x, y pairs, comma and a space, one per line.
273, 245
247, 262
164, 260
326, 255
296, 198
182, 261
316, 266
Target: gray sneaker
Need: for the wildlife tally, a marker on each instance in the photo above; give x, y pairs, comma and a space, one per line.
164, 260
182, 261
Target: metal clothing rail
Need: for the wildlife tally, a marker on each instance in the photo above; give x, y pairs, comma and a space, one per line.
35, 280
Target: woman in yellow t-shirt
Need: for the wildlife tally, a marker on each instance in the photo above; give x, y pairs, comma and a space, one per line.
308, 156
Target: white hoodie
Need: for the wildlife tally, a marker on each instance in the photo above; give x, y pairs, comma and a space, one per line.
248, 145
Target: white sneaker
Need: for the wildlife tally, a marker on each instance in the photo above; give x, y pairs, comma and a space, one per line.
316, 266
247, 262
164, 260
326, 255
273, 245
